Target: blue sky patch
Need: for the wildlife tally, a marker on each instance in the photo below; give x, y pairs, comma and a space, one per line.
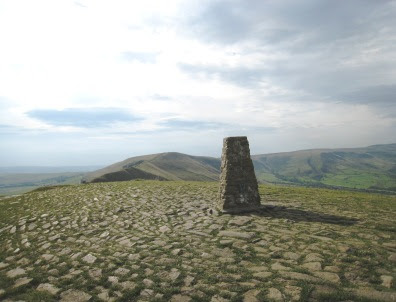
83, 117
184, 124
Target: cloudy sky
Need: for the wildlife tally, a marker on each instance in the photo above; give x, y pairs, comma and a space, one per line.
93, 82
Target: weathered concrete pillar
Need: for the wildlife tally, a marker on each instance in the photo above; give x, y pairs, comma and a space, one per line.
238, 183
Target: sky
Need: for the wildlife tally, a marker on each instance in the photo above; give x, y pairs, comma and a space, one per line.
92, 82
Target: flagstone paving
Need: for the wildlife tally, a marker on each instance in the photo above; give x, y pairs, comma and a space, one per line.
164, 241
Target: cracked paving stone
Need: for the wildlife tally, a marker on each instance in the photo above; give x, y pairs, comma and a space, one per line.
22, 281
121, 271
47, 287
218, 298
15, 272
251, 296
104, 296
95, 273
313, 266
387, 281
262, 275
89, 259
279, 267
148, 282
275, 294
74, 296
113, 279
293, 291
236, 234
180, 298
331, 277
147, 293
128, 285
164, 229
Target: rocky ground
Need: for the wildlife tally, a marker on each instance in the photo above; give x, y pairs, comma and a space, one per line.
162, 241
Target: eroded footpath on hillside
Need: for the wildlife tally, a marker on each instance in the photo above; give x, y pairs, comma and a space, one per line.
162, 241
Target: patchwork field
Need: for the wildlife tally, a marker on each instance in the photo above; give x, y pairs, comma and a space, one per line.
163, 241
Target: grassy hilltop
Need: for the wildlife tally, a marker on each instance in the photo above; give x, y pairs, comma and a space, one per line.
160, 241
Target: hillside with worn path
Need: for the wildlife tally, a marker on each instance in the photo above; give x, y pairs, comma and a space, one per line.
371, 168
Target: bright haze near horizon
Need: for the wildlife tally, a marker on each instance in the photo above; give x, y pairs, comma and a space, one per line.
91, 82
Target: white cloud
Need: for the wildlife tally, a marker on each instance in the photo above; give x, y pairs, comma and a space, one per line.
167, 60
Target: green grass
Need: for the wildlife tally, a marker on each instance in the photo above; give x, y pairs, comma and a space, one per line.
361, 168
268, 177
356, 179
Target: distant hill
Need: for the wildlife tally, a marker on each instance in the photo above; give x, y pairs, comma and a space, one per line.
371, 167
21, 179
46, 169
17, 183
162, 166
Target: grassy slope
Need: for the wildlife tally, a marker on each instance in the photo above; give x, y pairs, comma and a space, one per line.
362, 168
186, 167
170, 166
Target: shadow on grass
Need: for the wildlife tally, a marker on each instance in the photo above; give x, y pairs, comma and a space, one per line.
298, 215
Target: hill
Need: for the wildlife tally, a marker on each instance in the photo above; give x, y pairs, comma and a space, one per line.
160, 241
163, 166
371, 167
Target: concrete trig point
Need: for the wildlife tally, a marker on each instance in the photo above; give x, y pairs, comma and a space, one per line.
238, 183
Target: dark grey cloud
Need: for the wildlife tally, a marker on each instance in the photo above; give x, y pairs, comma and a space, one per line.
339, 51
221, 22
276, 21
382, 97
381, 94
360, 84
83, 117
144, 57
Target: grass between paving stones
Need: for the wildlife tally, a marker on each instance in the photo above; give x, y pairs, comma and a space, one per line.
26, 294
306, 290
342, 295
4, 281
350, 231
131, 295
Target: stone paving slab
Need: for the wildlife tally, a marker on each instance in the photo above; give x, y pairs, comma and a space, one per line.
164, 241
